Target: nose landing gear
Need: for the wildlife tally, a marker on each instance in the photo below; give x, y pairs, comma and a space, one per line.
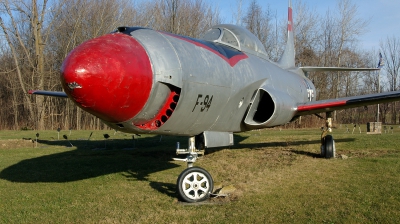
194, 184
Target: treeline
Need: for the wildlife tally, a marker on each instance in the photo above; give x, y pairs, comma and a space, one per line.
36, 35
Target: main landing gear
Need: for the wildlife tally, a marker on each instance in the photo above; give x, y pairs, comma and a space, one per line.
328, 149
194, 184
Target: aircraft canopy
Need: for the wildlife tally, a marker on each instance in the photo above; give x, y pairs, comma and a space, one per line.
236, 37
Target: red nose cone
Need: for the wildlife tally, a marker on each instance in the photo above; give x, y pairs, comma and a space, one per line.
109, 76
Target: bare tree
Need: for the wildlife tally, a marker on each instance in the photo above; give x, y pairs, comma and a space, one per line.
238, 14
349, 28
26, 34
259, 22
307, 35
391, 55
184, 17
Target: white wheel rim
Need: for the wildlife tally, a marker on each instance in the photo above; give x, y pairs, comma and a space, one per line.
195, 185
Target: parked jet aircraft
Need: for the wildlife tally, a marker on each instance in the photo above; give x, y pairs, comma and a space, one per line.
139, 80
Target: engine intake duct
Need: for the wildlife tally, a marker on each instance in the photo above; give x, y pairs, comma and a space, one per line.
269, 108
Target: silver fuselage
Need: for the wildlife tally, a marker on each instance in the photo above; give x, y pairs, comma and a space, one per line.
215, 95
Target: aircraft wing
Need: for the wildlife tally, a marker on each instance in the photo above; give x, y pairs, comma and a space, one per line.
48, 93
320, 106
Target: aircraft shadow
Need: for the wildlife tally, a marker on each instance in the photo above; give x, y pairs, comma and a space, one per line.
97, 158
93, 158
239, 145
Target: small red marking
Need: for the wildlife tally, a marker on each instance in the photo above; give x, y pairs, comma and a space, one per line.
321, 106
114, 76
231, 61
290, 19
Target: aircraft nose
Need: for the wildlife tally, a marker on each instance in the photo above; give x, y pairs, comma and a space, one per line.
109, 77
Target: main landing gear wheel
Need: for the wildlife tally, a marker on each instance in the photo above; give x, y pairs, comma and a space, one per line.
328, 147
327, 143
195, 184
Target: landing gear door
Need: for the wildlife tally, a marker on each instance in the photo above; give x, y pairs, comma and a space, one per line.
217, 139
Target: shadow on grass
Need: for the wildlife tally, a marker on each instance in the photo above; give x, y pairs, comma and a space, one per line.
94, 158
90, 160
165, 188
285, 143
309, 154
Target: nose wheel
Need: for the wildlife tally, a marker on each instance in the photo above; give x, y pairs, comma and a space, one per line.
194, 184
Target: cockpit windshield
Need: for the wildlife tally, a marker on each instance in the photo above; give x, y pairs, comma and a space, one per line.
236, 37
212, 34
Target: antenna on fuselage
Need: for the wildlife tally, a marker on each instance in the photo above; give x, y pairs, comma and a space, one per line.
287, 59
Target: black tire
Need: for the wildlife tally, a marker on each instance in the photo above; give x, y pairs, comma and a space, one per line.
329, 147
323, 151
195, 184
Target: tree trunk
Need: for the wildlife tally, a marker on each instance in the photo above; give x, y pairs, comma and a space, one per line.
37, 28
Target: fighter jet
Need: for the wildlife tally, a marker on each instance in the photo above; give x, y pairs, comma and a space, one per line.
139, 80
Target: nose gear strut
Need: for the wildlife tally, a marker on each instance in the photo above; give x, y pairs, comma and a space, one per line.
194, 184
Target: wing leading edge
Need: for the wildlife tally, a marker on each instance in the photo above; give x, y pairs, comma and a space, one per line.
347, 102
48, 93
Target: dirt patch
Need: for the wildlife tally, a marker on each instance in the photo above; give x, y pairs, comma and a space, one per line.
16, 143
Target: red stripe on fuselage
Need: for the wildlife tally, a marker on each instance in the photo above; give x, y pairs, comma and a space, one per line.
321, 106
231, 61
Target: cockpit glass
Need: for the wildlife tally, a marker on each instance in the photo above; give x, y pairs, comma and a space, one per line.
212, 34
229, 38
236, 37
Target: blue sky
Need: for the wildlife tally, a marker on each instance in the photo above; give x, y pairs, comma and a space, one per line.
383, 15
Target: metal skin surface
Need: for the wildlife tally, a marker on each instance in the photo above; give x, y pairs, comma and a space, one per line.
200, 72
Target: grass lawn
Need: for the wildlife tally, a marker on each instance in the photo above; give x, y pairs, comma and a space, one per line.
278, 176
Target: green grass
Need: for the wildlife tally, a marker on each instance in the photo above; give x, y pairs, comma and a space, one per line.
278, 177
